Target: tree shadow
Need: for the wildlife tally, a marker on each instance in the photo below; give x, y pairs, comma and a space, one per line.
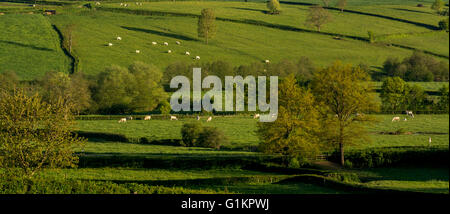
409, 10
249, 9
160, 33
26, 46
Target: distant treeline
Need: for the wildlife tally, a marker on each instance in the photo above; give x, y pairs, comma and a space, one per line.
145, 88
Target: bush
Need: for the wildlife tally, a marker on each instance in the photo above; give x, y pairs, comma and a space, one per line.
347, 177
382, 157
443, 24
190, 133
211, 137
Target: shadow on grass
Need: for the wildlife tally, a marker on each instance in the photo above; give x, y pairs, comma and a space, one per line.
249, 9
160, 33
26, 46
409, 10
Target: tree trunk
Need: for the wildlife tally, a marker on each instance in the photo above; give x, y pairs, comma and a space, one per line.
341, 143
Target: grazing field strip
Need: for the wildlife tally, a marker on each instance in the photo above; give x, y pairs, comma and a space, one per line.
430, 27
257, 23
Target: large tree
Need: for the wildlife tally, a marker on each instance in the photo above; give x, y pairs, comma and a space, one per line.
73, 90
393, 94
207, 25
34, 134
438, 5
294, 133
274, 6
344, 94
122, 90
317, 17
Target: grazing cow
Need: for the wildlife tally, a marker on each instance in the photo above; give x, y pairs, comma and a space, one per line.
123, 120
405, 119
154, 43
429, 141
267, 61
165, 43
187, 53
110, 44
197, 57
410, 113
209, 119
395, 119
173, 118
147, 117
169, 51
178, 43
119, 38
256, 116
121, 4
198, 117
97, 3
138, 51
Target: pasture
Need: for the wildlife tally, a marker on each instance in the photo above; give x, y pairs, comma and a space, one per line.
30, 47
241, 129
246, 34
144, 163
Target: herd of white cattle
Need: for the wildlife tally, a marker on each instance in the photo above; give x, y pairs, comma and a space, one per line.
408, 113
172, 117
187, 53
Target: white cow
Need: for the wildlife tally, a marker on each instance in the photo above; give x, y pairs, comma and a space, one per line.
123, 120
256, 116
147, 117
410, 113
169, 51
198, 117
110, 44
187, 53
97, 3
154, 43
405, 119
178, 43
165, 43
119, 38
173, 118
395, 119
130, 118
138, 51
209, 119
197, 57
267, 61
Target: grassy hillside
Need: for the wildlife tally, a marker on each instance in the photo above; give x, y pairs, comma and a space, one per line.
241, 130
30, 46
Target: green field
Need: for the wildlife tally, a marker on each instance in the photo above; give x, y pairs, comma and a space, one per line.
245, 35
241, 129
30, 46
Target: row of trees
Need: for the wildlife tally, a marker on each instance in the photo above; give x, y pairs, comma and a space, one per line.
417, 67
115, 90
301, 68
327, 115
397, 95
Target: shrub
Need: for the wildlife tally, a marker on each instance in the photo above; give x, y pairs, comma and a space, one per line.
382, 157
190, 133
347, 177
211, 137
443, 24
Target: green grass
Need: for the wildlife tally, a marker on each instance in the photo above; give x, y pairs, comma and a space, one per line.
432, 180
427, 86
132, 174
139, 149
241, 130
30, 47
